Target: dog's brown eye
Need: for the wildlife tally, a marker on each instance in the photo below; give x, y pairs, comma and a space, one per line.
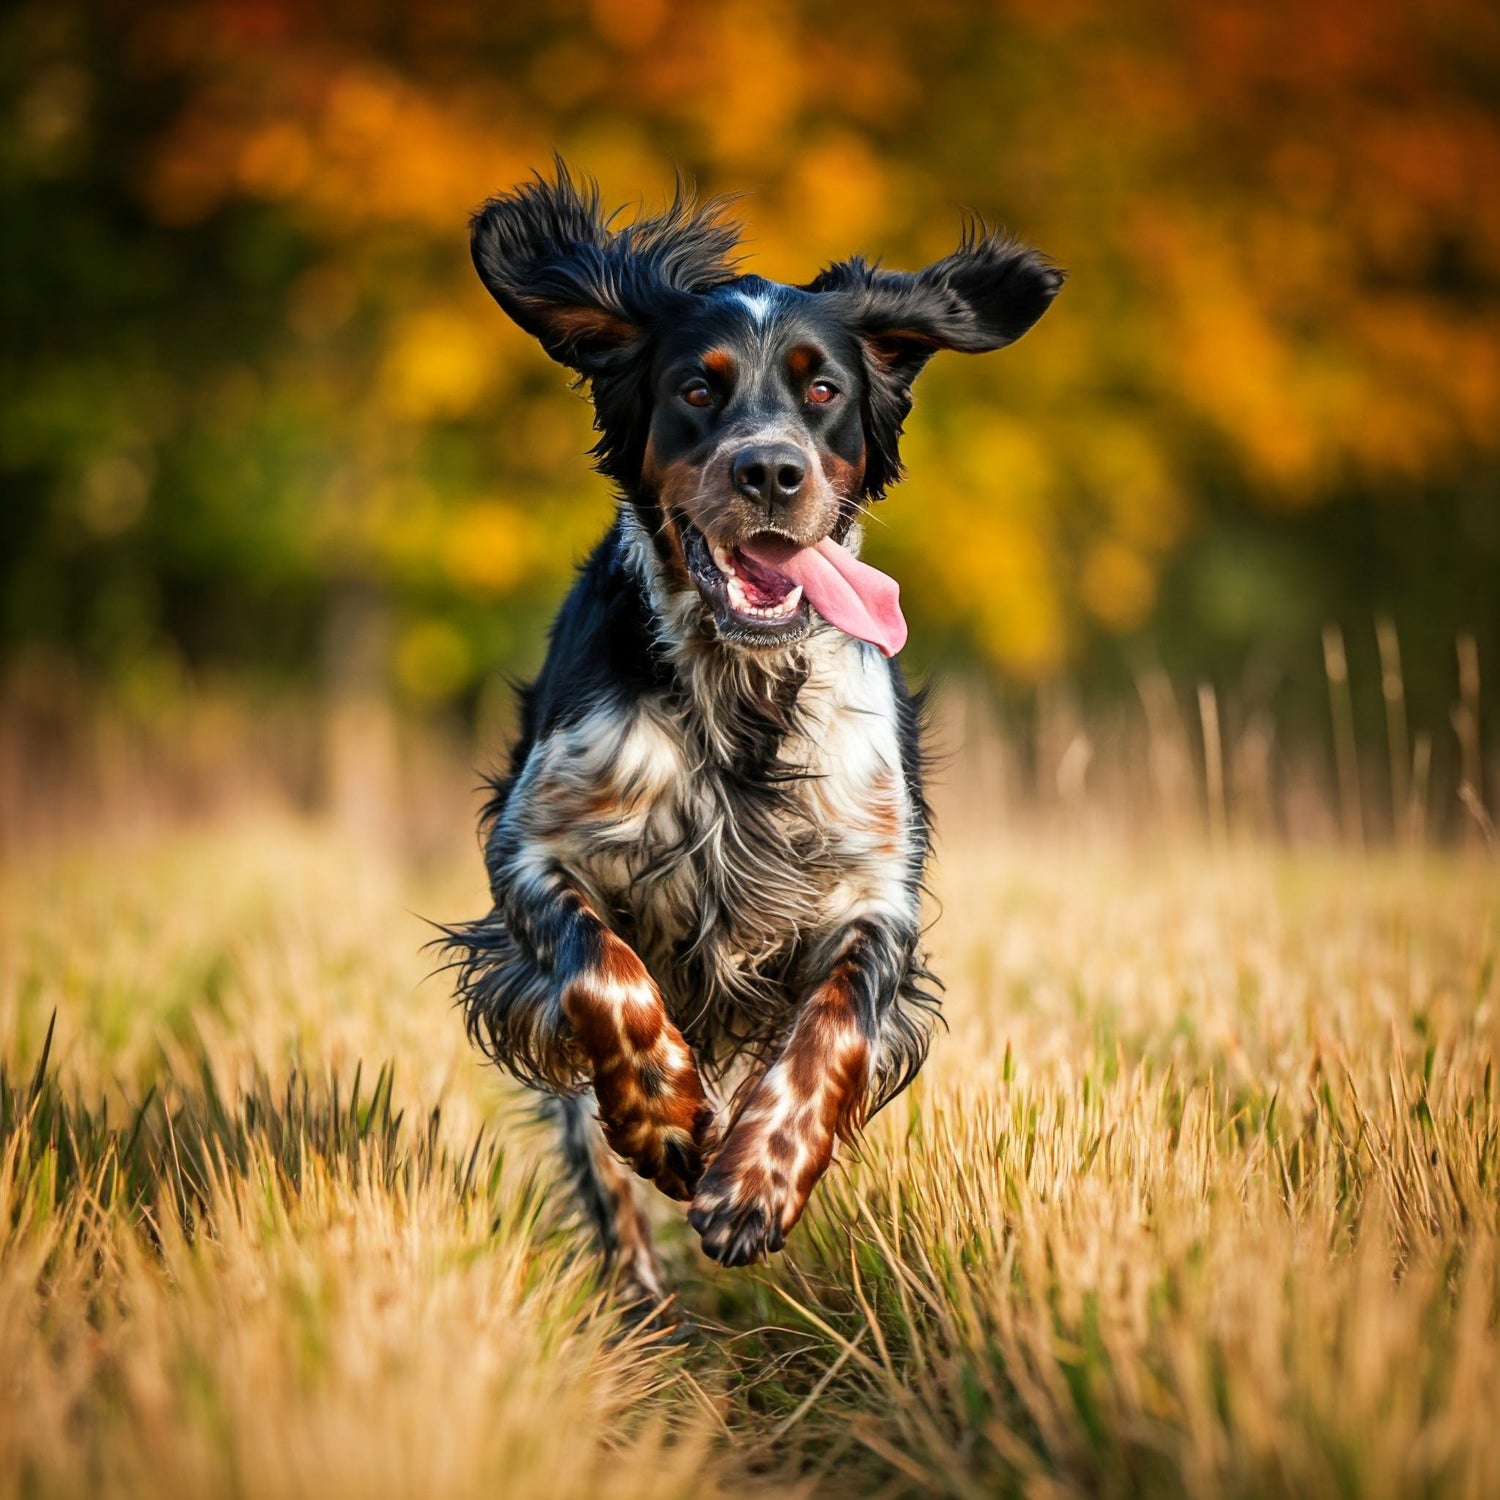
698, 394
822, 392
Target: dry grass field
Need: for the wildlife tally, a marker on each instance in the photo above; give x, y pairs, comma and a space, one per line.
1199, 1195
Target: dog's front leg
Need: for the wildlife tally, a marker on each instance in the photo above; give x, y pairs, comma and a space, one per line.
587, 1003
782, 1138
652, 1105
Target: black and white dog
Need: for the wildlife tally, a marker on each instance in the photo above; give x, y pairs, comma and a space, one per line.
707, 851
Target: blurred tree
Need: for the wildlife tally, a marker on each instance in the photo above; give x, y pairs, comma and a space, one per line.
248, 372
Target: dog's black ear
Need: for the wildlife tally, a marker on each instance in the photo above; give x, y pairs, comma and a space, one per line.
588, 292
983, 296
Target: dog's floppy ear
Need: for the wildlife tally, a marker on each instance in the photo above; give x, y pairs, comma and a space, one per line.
983, 296
588, 292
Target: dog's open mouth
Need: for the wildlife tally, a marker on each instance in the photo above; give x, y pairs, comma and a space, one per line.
760, 589
754, 602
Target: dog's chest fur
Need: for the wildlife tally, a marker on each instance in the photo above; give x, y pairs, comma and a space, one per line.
724, 824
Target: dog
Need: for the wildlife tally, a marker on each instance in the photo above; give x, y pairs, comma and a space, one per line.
707, 851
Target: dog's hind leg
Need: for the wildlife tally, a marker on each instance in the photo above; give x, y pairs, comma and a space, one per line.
606, 1192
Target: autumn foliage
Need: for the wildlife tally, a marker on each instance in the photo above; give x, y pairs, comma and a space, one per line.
249, 367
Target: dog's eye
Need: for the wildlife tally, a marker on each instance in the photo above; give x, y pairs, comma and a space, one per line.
696, 393
821, 392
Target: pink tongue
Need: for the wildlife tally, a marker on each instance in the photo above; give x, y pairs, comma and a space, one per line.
857, 598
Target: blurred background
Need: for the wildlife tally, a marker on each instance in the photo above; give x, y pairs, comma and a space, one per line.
287, 503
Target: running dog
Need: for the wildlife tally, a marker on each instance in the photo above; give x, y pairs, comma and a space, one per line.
706, 853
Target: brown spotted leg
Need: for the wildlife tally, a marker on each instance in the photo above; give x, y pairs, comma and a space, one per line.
652, 1106
782, 1138
563, 1001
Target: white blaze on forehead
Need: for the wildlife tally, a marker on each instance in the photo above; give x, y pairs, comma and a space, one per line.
759, 306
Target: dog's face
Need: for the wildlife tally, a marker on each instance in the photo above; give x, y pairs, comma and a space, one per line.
740, 415
755, 431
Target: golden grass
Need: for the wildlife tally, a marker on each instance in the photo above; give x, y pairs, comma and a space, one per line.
1198, 1197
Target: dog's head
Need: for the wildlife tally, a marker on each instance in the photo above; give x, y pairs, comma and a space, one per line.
745, 420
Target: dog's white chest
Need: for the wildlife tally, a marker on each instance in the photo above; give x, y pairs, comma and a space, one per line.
652, 826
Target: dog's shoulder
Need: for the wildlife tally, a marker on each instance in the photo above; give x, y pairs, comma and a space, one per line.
602, 648
584, 727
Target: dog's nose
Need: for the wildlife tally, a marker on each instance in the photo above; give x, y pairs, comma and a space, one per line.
770, 473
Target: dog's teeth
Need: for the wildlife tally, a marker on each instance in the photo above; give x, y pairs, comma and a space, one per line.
740, 603
723, 561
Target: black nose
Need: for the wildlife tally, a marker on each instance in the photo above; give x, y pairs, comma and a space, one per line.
771, 473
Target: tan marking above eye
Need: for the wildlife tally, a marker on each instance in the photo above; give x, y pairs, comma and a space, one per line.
800, 362
719, 362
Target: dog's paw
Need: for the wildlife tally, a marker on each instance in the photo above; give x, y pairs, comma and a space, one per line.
675, 1171
759, 1181
736, 1234
664, 1140
743, 1216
